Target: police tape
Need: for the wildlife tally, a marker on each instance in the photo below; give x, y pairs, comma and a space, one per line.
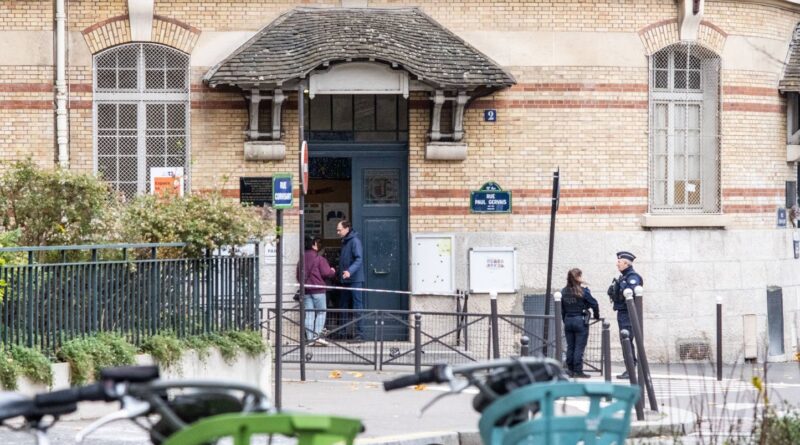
384, 291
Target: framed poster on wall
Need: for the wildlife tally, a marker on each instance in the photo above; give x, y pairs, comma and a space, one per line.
332, 213
493, 269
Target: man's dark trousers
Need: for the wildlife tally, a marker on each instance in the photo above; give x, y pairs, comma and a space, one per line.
577, 334
624, 322
356, 298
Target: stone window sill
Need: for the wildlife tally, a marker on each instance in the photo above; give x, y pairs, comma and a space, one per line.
719, 221
446, 151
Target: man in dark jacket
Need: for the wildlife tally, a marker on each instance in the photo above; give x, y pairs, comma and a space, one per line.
351, 270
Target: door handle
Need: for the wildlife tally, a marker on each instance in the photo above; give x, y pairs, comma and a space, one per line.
379, 272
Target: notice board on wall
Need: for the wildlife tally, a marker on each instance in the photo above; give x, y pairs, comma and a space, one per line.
493, 269
432, 264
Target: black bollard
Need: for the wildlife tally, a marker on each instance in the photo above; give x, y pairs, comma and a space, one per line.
524, 346
642, 354
417, 343
495, 328
605, 346
627, 355
719, 339
558, 327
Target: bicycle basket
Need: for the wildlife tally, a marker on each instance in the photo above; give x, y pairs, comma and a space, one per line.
602, 425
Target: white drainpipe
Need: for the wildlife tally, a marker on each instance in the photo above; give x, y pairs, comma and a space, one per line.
61, 86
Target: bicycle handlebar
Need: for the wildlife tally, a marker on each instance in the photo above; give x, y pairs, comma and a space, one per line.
130, 374
436, 374
93, 392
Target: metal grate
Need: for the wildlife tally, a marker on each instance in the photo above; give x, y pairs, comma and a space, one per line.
141, 112
684, 130
694, 350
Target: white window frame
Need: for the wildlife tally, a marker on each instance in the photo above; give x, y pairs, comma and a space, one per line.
142, 97
672, 98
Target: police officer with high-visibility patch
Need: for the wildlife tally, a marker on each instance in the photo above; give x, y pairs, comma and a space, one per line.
628, 279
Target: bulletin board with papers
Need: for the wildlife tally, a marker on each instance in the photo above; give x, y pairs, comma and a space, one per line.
493, 269
432, 264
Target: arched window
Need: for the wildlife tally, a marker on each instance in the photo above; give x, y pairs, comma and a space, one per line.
684, 130
141, 114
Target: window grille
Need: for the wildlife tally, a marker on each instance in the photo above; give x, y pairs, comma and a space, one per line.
141, 114
360, 118
684, 130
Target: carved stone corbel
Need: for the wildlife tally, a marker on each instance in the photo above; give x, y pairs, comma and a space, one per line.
277, 102
436, 117
255, 101
458, 116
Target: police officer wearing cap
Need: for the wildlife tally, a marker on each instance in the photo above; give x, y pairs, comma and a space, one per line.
628, 279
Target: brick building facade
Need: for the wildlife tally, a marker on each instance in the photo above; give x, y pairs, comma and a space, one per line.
586, 98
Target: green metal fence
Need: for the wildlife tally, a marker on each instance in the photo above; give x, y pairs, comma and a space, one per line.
129, 289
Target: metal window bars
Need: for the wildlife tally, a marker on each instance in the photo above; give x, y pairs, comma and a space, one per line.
684, 161
141, 114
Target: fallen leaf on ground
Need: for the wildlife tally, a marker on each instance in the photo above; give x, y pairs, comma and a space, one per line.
420, 388
356, 374
335, 375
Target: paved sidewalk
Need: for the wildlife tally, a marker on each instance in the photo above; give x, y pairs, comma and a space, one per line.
394, 417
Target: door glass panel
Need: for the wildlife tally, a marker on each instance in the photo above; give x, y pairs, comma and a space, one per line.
381, 186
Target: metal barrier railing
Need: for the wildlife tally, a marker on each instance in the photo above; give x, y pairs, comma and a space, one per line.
450, 337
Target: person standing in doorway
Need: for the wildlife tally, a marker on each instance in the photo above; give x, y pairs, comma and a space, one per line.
351, 270
576, 301
628, 279
317, 271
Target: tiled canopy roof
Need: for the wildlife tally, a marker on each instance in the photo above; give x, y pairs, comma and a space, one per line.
305, 38
791, 73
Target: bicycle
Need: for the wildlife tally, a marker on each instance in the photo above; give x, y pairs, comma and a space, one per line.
188, 412
517, 400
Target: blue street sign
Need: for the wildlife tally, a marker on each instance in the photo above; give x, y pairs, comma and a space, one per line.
491, 198
282, 191
490, 115
781, 217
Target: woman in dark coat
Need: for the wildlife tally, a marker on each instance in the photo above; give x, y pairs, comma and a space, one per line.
576, 301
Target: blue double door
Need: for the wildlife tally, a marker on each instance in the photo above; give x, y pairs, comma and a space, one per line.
379, 213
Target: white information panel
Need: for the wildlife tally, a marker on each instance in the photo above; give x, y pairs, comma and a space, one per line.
432, 264
493, 269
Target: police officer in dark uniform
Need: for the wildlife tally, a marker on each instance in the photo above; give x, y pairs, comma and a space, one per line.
576, 301
628, 279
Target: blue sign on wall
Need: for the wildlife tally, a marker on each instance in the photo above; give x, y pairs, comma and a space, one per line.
491, 198
282, 191
490, 115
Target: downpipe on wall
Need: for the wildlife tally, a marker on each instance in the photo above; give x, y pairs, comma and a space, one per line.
62, 138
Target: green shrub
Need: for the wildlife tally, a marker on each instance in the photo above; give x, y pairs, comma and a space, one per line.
122, 352
250, 342
33, 365
8, 371
200, 344
778, 429
87, 356
165, 348
51, 207
203, 221
226, 346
